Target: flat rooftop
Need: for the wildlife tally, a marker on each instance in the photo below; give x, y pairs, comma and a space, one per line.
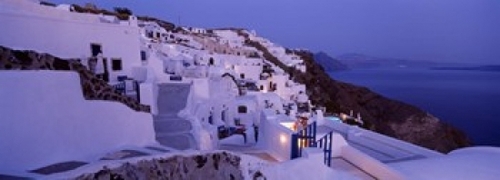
384, 149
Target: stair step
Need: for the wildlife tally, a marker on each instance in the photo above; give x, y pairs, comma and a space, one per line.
169, 115
170, 134
172, 97
166, 118
181, 141
172, 126
171, 130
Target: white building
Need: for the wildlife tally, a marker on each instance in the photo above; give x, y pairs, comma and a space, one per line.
46, 29
195, 30
154, 32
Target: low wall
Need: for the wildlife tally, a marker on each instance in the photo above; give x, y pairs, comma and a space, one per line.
275, 138
368, 164
362, 136
149, 94
45, 119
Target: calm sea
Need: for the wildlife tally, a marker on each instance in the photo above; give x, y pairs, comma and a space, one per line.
470, 100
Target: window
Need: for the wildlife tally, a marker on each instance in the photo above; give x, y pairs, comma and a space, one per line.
96, 49
242, 109
211, 61
143, 55
116, 64
242, 75
261, 87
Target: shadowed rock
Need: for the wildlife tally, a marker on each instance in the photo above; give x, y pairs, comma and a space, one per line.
124, 154
59, 167
178, 167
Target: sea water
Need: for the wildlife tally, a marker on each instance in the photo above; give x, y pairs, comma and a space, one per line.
469, 100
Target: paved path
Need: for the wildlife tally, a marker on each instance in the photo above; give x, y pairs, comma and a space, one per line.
171, 130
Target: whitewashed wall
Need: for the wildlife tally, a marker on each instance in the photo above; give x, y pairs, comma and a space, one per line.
281, 89
251, 69
69, 35
45, 119
274, 137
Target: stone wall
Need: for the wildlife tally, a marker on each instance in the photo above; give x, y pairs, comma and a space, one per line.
93, 88
219, 165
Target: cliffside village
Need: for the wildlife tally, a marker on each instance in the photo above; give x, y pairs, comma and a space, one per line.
100, 83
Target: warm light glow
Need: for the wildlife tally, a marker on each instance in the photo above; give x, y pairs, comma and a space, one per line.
283, 139
302, 143
288, 125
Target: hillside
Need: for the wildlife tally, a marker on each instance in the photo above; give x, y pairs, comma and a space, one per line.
329, 63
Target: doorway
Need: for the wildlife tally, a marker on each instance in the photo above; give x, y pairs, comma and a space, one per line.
95, 49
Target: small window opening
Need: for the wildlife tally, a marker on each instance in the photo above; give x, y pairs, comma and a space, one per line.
116, 64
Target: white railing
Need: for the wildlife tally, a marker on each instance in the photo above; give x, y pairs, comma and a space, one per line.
363, 136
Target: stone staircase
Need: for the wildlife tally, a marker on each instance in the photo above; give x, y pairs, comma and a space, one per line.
171, 130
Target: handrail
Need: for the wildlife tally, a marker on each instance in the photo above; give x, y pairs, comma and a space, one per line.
120, 87
325, 143
306, 137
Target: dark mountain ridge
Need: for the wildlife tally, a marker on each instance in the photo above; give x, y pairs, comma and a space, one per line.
491, 68
329, 63
361, 61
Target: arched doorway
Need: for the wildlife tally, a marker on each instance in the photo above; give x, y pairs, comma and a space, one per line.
232, 84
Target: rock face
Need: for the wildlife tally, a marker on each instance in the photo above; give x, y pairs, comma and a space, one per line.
220, 165
383, 115
93, 88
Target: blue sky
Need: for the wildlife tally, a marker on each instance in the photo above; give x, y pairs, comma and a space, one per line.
437, 30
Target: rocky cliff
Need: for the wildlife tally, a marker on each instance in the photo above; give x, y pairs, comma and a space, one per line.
382, 115
219, 165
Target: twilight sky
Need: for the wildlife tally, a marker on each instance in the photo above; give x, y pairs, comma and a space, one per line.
437, 30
